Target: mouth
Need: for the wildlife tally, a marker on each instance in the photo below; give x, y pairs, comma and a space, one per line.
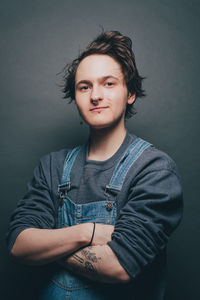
98, 108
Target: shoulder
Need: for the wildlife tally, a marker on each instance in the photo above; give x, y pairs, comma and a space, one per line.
153, 159
56, 158
158, 160
51, 165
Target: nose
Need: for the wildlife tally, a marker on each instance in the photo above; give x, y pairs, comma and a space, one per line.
96, 95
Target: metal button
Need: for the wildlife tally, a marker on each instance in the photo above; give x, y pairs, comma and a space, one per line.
109, 206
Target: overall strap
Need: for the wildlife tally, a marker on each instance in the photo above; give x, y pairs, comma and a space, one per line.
132, 153
68, 164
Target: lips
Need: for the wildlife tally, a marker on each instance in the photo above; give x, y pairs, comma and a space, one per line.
98, 108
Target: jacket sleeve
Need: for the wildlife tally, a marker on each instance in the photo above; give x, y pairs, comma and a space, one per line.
37, 208
146, 221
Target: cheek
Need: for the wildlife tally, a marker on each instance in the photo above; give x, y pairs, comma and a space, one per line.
118, 94
79, 106
80, 103
120, 101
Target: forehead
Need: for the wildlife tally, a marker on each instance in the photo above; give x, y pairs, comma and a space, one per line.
97, 66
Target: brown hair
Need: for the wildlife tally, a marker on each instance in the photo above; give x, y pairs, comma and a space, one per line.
118, 46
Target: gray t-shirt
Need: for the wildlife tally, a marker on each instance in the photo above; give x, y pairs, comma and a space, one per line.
89, 177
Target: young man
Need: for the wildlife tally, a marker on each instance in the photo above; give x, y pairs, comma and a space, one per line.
102, 212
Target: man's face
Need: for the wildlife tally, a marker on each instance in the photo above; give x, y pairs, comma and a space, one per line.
101, 92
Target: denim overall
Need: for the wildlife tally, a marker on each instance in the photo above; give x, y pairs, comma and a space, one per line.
65, 285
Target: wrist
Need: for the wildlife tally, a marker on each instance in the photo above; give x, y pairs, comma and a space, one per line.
86, 231
93, 233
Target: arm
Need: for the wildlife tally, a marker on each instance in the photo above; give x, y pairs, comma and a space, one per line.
32, 237
97, 262
146, 221
40, 246
141, 232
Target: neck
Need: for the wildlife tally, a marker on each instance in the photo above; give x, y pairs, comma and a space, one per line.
105, 142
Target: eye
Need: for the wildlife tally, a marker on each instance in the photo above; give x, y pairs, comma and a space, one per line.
84, 88
109, 83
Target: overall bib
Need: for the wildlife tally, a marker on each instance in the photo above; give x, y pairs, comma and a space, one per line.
64, 284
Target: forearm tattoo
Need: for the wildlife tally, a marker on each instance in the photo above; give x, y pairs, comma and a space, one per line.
85, 262
78, 258
90, 255
89, 267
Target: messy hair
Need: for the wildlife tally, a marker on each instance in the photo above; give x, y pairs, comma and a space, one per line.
119, 47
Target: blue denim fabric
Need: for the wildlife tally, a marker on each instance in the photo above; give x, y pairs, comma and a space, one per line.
126, 161
66, 285
54, 292
68, 164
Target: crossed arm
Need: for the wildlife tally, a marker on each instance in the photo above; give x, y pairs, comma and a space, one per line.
98, 263
68, 246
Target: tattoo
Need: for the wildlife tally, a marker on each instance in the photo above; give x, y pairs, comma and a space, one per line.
80, 265
84, 262
90, 255
78, 258
89, 267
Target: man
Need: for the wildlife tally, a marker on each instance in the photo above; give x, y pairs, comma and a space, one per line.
102, 212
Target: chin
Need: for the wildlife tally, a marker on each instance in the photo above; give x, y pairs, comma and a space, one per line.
103, 125
99, 126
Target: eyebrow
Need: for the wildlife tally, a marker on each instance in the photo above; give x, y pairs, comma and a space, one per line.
99, 79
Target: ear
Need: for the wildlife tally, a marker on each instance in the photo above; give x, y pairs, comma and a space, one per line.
131, 98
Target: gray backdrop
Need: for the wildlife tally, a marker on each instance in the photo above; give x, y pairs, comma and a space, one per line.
37, 39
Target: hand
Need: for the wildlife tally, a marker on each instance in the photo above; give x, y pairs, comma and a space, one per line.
102, 234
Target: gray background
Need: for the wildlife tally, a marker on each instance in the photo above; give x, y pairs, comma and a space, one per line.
37, 38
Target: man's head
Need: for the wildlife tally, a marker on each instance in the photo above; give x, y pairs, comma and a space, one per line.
119, 47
